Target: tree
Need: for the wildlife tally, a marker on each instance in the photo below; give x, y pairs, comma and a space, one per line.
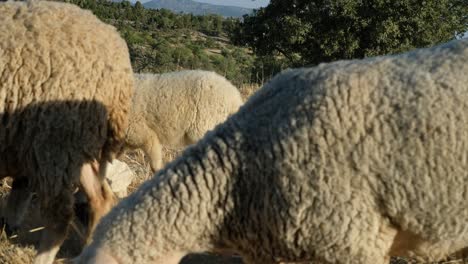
308, 32
162, 41
138, 5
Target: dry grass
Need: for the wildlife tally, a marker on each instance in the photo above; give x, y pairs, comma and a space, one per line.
10, 252
138, 162
247, 90
14, 254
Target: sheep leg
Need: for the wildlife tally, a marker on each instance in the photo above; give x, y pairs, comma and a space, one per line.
99, 194
49, 247
17, 204
153, 149
58, 214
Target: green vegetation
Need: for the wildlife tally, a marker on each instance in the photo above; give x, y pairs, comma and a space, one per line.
309, 32
162, 41
283, 34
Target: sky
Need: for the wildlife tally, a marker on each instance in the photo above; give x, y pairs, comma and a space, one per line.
241, 3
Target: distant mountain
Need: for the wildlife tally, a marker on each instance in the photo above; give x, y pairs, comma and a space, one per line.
242, 3
196, 8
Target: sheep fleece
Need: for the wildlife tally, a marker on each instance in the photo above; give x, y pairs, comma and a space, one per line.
333, 163
176, 109
182, 106
62, 73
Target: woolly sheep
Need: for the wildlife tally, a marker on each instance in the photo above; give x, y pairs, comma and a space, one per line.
65, 92
346, 162
176, 109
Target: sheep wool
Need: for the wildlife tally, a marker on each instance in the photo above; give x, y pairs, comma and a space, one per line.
66, 84
176, 109
346, 162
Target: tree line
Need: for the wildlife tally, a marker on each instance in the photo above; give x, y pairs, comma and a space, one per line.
284, 34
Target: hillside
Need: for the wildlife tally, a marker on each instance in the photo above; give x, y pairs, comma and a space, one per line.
196, 8
163, 41
160, 40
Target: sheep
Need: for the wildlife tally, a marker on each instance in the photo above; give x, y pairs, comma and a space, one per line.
176, 109
66, 84
346, 162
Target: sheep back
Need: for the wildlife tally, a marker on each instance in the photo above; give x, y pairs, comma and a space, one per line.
65, 90
181, 106
342, 163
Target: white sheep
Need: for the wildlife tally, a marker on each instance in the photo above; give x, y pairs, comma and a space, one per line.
66, 84
347, 162
176, 109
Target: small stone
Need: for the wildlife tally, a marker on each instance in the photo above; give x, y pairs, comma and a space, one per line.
119, 176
